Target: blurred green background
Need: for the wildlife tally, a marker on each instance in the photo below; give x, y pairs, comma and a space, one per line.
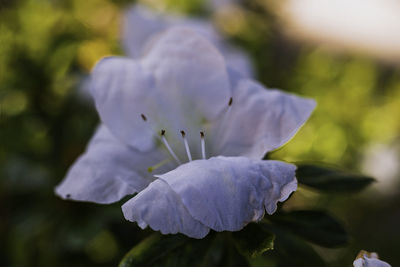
47, 48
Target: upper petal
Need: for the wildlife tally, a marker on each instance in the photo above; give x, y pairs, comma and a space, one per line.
180, 84
109, 170
162, 209
140, 26
259, 120
137, 39
228, 193
189, 72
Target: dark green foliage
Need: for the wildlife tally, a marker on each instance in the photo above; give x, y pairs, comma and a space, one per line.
331, 180
292, 251
315, 226
254, 240
152, 249
177, 250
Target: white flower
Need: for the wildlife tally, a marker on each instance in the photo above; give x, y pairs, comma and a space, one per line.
187, 135
366, 259
142, 26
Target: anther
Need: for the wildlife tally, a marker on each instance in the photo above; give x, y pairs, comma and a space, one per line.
164, 140
143, 117
203, 145
186, 145
230, 101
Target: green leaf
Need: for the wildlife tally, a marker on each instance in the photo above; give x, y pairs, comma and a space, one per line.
216, 249
253, 240
152, 249
331, 180
292, 251
315, 226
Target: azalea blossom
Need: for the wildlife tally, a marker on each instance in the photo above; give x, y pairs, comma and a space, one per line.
366, 259
187, 133
142, 25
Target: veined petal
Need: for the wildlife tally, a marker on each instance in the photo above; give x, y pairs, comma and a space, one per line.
226, 193
161, 208
109, 170
260, 120
181, 84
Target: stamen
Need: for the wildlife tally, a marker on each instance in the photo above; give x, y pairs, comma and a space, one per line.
203, 145
186, 145
143, 117
158, 165
164, 140
222, 122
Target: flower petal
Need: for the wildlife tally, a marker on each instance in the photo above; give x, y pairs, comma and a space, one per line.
189, 71
136, 39
181, 84
109, 170
259, 120
366, 259
226, 193
367, 262
161, 208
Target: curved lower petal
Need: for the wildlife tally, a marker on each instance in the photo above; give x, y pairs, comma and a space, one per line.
259, 120
109, 170
159, 207
226, 193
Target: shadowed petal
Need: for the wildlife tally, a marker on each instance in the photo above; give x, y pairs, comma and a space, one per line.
260, 120
225, 194
108, 171
161, 208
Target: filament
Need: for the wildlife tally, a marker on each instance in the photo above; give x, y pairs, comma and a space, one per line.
203, 145
186, 145
164, 140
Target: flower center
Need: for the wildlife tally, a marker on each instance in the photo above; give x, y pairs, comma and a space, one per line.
162, 136
186, 144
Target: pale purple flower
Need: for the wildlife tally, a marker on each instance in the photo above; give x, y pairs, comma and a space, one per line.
142, 25
188, 137
366, 259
